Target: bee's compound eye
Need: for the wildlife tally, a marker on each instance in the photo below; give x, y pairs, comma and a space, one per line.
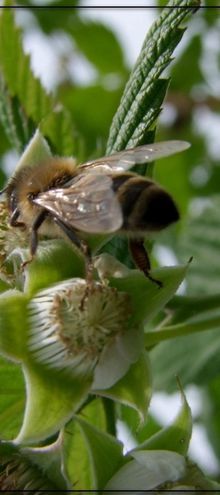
13, 201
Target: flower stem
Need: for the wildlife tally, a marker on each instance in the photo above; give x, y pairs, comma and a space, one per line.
181, 329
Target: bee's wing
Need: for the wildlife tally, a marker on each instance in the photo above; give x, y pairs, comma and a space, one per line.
88, 203
124, 160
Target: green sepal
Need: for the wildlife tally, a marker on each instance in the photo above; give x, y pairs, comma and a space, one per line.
175, 437
134, 389
91, 456
52, 398
36, 151
13, 324
12, 399
147, 299
55, 261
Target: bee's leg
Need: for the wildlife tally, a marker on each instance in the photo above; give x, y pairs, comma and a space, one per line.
84, 248
34, 235
141, 258
13, 219
79, 243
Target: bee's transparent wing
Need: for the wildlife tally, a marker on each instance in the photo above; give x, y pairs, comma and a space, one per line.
88, 203
124, 160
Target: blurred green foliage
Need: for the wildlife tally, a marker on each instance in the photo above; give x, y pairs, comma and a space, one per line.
191, 113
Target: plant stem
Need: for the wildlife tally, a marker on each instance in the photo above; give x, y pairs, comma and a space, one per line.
181, 329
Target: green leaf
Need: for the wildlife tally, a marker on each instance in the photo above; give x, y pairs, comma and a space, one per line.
91, 456
134, 389
14, 121
92, 124
59, 18
48, 392
95, 41
191, 57
201, 238
58, 127
175, 437
37, 104
194, 358
15, 66
144, 92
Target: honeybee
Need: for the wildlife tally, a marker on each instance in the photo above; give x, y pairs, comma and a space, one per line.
100, 196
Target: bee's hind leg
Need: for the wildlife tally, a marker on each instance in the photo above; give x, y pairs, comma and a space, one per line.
141, 258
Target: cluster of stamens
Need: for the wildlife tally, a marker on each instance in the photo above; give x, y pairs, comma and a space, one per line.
65, 333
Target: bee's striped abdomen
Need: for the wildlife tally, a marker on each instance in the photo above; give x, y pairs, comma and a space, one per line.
129, 189
145, 205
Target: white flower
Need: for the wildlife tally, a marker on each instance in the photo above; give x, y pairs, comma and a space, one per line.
71, 326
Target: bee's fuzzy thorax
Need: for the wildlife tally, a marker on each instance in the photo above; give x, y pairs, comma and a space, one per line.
29, 181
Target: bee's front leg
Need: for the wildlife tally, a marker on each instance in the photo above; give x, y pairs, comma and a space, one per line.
34, 235
141, 258
13, 219
84, 248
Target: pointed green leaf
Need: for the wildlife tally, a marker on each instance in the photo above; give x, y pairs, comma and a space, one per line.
175, 437
144, 92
